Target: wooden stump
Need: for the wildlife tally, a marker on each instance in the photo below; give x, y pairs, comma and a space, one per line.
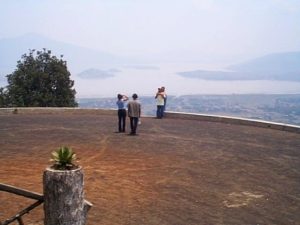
64, 197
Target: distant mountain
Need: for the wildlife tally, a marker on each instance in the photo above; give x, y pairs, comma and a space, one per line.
78, 58
287, 62
98, 74
279, 66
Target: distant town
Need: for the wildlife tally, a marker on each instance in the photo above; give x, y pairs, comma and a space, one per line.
275, 108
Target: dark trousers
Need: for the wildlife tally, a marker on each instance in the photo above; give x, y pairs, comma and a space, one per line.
133, 124
160, 111
122, 119
164, 109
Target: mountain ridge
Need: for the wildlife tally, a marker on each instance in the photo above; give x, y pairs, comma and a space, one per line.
283, 66
78, 58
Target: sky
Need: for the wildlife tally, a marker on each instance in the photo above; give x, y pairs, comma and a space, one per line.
208, 34
216, 30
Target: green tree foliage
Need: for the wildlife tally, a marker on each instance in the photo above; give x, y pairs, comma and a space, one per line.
3, 97
40, 80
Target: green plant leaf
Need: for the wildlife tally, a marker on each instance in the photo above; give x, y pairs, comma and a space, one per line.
63, 158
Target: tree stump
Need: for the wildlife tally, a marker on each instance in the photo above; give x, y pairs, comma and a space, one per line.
64, 197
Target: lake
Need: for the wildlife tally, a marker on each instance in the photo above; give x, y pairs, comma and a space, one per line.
144, 80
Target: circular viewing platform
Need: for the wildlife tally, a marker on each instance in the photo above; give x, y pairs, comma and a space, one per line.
184, 169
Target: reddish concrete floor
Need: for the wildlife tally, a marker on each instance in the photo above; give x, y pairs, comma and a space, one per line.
175, 172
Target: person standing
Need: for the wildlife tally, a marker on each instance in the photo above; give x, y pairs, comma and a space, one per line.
163, 90
122, 112
159, 103
134, 113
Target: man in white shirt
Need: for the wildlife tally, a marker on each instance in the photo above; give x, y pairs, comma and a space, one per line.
160, 102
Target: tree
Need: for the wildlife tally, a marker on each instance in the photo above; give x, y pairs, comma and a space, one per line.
3, 97
40, 80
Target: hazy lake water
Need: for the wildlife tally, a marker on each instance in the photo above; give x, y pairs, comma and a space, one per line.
146, 80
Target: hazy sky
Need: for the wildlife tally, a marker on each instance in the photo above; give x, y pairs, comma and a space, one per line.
191, 29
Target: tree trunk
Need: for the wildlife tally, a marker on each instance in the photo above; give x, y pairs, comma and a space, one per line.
63, 197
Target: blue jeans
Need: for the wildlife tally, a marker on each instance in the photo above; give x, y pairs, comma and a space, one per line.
122, 119
160, 111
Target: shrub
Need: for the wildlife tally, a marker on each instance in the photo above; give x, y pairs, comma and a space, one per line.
63, 159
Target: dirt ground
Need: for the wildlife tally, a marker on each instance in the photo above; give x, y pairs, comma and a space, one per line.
175, 172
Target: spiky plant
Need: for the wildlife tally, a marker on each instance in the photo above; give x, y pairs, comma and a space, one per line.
63, 159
